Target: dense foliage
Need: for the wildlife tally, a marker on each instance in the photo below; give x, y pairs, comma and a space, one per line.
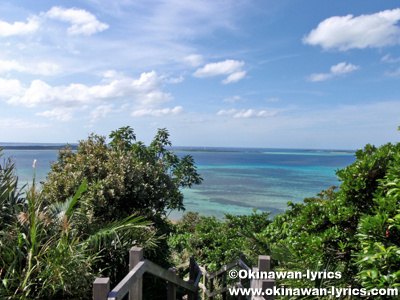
64, 233
44, 254
216, 242
88, 214
124, 177
354, 230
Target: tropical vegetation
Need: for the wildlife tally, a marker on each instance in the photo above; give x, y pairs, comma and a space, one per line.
354, 230
102, 199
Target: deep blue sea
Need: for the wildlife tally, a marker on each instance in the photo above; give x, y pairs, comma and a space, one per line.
235, 179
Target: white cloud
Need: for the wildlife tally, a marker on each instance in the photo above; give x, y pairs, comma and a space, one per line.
228, 66
174, 80
336, 70
251, 113
347, 32
193, 60
342, 68
43, 68
10, 65
10, 88
145, 92
157, 112
110, 74
83, 22
100, 112
234, 77
389, 59
57, 114
19, 28
232, 99
226, 112
319, 77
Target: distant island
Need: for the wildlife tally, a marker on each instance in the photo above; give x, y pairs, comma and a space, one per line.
36, 146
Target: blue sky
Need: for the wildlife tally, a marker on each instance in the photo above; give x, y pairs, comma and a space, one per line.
290, 74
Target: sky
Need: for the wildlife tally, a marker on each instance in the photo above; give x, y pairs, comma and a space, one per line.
309, 74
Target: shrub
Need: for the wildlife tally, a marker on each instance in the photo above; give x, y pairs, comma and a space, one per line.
215, 242
355, 229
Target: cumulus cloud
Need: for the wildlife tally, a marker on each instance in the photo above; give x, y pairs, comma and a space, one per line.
43, 68
226, 112
110, 74
228, 67
83, 22
220, 68
348, 32
19, 28
157, 112
234, 77
10, 65
10, 88
193, 60
337, 70
144, 92
251, 113
232, 99
387, 58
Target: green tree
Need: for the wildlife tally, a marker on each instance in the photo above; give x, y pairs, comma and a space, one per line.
124, 178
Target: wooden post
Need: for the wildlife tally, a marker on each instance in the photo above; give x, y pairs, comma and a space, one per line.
205, 281
101, 288
193, 272
135, 256
211, 287
223, 277
242, 257
171, 287
254, 282
268, 284
264, 265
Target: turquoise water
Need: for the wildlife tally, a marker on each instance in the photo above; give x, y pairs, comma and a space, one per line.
234, 182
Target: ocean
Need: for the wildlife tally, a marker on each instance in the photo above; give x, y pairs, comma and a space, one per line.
236, 180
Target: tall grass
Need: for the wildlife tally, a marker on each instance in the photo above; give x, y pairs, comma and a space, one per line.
48, 251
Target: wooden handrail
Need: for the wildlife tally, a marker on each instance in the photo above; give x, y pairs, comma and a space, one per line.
222, 270
129, 280
159, 272
133, 280
101, 286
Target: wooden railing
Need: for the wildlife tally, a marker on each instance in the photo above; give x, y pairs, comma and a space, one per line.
133, 281
264, 265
